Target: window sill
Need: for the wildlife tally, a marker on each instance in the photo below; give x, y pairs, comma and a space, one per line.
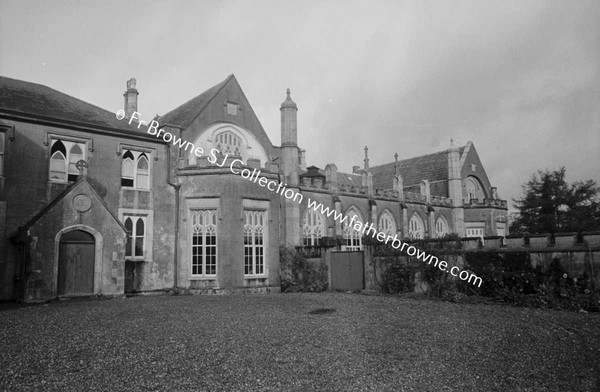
132, 260
199, 277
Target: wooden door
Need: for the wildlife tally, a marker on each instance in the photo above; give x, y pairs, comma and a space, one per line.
76, 263
347, 271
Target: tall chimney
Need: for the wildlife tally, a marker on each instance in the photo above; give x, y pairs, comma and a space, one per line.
131, 100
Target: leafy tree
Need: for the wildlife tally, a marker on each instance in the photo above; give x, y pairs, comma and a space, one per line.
551, 205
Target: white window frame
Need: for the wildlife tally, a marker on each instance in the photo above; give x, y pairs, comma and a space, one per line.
352, 237
68, 143
148, 218
137, 156
475, 230
313, 227
255, 223
209, 225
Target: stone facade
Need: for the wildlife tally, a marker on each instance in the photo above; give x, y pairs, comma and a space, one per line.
150, 216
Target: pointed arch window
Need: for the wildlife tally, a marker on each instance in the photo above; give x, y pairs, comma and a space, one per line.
204, 242
135, 170
473, 189
313, 228
228, 143
352, 236
387, 224
64, 155
441, 227
136, 236
416, 229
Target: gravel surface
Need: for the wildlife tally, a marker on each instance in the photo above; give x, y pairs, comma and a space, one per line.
350, 342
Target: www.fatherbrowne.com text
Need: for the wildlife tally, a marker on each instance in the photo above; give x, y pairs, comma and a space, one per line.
254, 175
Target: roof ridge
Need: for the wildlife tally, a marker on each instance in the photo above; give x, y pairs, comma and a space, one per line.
61, 93
216, 89
407, 159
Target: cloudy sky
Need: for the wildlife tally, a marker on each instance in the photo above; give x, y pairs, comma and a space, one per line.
521, 79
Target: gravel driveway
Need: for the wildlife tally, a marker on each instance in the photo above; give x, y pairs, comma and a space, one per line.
274, 343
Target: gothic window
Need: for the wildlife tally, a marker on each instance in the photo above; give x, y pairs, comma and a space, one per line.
352, 237
228, 143
387, 224
473, 189
313, 228
441, 227
64, 156
254, 242
135, 170
136, 236
416, 229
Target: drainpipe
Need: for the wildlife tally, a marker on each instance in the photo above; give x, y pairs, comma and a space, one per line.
177, 187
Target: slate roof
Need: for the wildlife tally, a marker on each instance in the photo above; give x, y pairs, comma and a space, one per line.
182, 116
432, 167
349, 179
37, 100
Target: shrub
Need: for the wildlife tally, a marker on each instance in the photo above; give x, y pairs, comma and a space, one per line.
396, 278
300, 274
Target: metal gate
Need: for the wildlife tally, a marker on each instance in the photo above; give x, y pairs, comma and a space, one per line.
76, 263
347, 271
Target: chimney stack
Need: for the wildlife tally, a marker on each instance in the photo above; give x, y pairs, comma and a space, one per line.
131, 100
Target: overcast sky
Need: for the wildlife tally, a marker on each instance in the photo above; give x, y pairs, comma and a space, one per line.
520, 79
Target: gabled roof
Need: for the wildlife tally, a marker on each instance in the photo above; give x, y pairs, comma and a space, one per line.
81, 182
32, 99
184, 115
432, 167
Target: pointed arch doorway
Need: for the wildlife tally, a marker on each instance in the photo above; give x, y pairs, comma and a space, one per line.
76, 261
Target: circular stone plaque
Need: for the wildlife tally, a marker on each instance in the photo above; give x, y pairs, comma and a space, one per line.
82, 203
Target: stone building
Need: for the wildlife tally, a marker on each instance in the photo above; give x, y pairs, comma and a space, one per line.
90, 204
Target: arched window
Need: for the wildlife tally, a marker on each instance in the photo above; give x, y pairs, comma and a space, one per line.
441, 227
75, 155
142, 172
135, 170
64, 156
313, 228
352, 236
204, 242
473, 189
416, 229
387, 224
136, 236
58, 161
228, 143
